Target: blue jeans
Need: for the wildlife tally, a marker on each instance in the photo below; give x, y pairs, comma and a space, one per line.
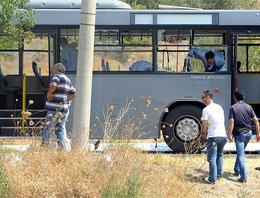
55, 122
240, 165
215, 146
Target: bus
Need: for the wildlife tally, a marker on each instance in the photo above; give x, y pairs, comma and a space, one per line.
139, 67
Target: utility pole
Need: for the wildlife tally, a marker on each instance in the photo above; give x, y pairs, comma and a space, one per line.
81, 114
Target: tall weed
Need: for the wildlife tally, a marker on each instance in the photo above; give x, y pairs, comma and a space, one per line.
6, 189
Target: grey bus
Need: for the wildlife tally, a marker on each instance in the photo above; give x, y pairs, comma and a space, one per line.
139, 58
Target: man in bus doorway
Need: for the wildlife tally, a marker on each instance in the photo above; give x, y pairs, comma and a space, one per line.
213, 129
240, 116
60, 93
213, 60
69, 54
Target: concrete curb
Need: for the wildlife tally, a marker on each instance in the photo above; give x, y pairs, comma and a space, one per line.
148, 147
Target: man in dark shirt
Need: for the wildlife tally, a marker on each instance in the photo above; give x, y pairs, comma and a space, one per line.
240, 115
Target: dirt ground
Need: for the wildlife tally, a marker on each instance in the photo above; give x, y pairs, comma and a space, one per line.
228, 186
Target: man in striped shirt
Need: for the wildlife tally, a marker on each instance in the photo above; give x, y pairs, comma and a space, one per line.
59, 95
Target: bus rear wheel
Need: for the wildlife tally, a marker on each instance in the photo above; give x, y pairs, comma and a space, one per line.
182, 129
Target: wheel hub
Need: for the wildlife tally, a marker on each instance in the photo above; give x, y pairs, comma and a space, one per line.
187, 129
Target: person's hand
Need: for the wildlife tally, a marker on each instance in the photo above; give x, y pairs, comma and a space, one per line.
49, 97
257, 137
190, 55
230, 137
204, 135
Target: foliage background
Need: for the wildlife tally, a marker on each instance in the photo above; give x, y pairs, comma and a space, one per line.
204, 4
14, 23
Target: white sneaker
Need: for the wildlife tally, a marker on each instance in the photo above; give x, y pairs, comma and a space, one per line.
67, 145
206, 179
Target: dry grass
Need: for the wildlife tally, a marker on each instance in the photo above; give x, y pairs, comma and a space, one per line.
116, 173
121, 172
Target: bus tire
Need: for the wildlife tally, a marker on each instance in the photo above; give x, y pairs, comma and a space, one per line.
182, 129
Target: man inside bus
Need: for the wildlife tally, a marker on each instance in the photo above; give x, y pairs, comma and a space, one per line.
69, 54
213, 60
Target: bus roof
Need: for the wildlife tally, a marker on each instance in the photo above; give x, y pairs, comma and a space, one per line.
75, 4
106, 17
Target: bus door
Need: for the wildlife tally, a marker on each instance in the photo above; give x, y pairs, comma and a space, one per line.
38, 57
247, 59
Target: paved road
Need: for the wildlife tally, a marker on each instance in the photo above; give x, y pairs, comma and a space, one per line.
150, 147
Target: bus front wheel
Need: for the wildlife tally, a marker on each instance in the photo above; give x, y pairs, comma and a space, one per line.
182, 129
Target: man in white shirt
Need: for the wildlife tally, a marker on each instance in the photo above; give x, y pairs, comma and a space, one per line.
213, 129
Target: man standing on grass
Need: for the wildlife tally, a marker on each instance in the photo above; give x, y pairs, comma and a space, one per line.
213, 129
240, 116
60, 93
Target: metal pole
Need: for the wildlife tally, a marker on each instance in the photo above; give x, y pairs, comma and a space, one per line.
24, 102
81, 115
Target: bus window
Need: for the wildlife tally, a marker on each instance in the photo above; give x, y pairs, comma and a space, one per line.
209, 37
248, 53
9, 57
210, 40
253, 59
9, 62
220, 53
36, 50
173, 46
69, 48
107, 37
124, 50
121, 58
241, 54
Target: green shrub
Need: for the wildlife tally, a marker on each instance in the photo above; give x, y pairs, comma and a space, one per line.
131, 189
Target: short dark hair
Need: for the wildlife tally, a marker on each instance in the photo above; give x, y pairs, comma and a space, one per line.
63, 40
209, 55
208, 93
240, 95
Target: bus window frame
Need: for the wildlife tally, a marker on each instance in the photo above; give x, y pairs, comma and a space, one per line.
191, 44
154, 29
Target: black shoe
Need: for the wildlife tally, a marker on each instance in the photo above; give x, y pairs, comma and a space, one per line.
236, 174
257, 168
206, 179
241, 180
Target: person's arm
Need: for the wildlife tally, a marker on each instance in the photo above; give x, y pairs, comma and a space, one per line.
219, 60
72, 93
204, 128
51, 89
230, 129
219, 67
197, 53
256, 128
192, 52
64, 56
71, 96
